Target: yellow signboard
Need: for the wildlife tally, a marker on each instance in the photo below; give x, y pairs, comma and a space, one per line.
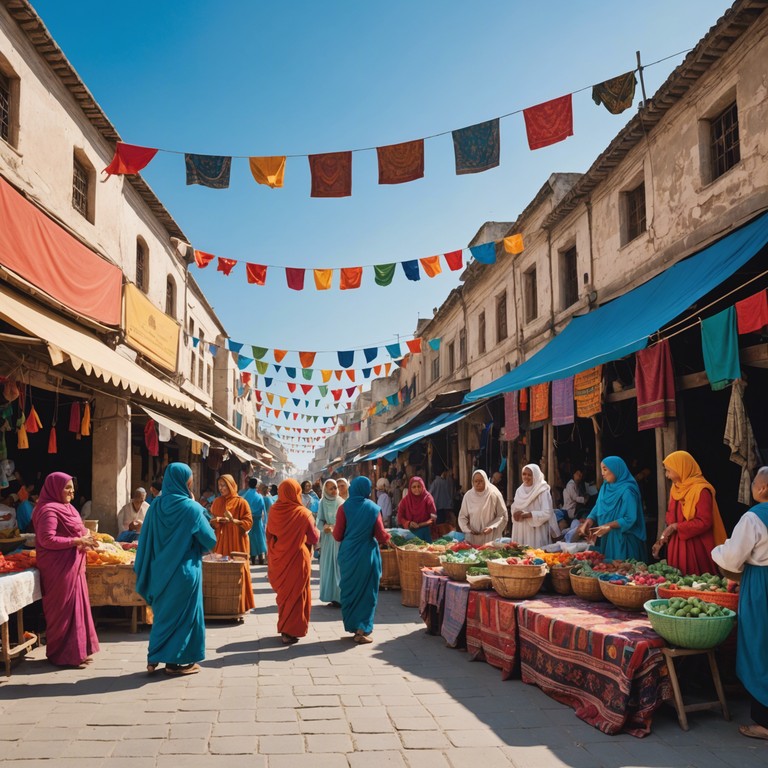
150, 331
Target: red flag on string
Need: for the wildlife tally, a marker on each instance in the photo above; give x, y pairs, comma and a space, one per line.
203, 259
291, 387
295, 278
129, 159
331, 174
226, 265
549, 122
414, 345
305, 388
455, 260
256, 273
351, 277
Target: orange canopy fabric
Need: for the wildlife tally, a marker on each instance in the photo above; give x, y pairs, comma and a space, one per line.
291, 533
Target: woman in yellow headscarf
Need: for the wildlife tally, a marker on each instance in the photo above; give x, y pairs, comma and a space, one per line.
694, 525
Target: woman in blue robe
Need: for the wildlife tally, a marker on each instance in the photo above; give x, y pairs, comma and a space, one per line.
360, 529
168, 566
329, 547
256, 535
616, 520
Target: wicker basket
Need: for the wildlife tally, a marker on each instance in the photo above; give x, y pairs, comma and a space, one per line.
630, 597
586, 587
410, 563
390, 571
518, 587
222, 588
686, 632
726, 599
561, 580
455, 571
504, 569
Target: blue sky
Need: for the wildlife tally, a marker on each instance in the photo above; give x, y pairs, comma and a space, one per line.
237, 77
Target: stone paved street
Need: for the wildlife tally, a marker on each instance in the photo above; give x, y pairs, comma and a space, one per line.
405, 700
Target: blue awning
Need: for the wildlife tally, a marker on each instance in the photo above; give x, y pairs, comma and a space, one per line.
391, 450
623, 325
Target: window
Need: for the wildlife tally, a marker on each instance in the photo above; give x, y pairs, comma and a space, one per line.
9, 103
634, 212
569, 277
462, 347
501, 317
192, 367
481, 333
5, 108
80, 189
209, 379
436, 367
531, 295
170, 297
451, 357
141, 266
200, 364
724, 141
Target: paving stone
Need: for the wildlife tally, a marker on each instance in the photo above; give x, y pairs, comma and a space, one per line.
234, 745
184, 747
138, 732
559, 757
479, 737
423, 723
426, 758
328, 742
190, 731
138, 748
393, 759
40, 750
370, 725
281, 745
424, 740
488, 757
94, 749
276, 715
324, 726
376, 742
321, 713
308, 761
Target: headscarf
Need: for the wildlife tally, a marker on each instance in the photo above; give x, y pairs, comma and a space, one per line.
611, 493
382, 484
525, 495
688, 490
287, 515
222, 503
477, 502
418, 507
346, 482
328, 505
359, 492
50, 498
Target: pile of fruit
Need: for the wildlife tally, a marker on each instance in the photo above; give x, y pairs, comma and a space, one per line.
529, 559
109, 553
691, 608
707, 582
18, 562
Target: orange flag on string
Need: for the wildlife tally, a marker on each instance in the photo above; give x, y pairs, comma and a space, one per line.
351, 277
256, 273
268, 170
387, 368
306, 359
323, 278
203, 259
414, 345
270, 398
431, 265
377, 369
326, 376
338, 375
279, 354
351, 374
514, 244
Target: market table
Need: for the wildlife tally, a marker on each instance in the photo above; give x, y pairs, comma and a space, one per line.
454, 624
492, 630
116, 585
16, 591
603, 662
432, 600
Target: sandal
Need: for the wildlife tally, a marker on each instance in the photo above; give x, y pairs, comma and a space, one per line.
288, 639
186, 669
151, 668
754, 731
361, 638
87, 660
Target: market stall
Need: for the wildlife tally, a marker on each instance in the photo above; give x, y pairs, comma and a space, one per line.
115, 585
223, 579
16, 591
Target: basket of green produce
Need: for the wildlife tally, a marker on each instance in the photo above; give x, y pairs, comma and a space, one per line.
690, 622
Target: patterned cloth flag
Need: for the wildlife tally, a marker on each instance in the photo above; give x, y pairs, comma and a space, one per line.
431, 265
616, 94
540, 402
414, 345
511, 417
208, 170
129, 159
549, 122
351, 278
399, 163
203, 259
384, 273
485, 253
411, 269
306, 359
323, 278
476, 148
268, 170
331, 174
256, 273
455, 260
295, 278
346, 359
226, 265
514, 244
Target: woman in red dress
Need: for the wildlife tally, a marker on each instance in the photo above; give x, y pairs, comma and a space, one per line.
694, 525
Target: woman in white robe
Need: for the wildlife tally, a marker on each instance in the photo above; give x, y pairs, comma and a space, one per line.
483, 513
532, 511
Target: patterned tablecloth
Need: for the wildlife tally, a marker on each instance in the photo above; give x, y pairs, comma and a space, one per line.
455, 613
17, 590
492, 631
432, 599
604, 662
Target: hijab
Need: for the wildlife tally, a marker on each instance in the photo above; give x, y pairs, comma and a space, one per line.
328, 505
478, 502
229, 503
359, 492
288, 516
525, 495
50, 498
611, 493
688, 490
418, 507
346, 485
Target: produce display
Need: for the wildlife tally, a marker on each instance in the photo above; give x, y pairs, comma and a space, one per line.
109, 553
17, 562
691, 608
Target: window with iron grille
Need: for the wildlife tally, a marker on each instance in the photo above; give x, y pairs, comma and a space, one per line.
462, 347
451, 357
724, 141
501, 317
200, 364
170, 298
481, 333
80, 188
141, 266
531, 295
436, 367
569, 276
635, 202
192, 367
5, 108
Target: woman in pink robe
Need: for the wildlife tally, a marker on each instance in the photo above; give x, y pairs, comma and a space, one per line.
61, 542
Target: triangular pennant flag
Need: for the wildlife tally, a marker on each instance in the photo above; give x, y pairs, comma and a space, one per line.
267, 411
387, 368
279, 354
52, 447
295, 416
550, 122
485, 253
213, 349
234, 346
351, 391
256, 273
394, 351
384, 273
268, 381
129, 159
291, 372
414, 345
295, 278
203, 259
370, 354
291, 387
434, 344
306, 359
431, 265
377, 370
411, 269
296, 401
346, 359
261, 367
366, 373
283, 400
514, 244
258, 395
277, 414
225, 265
195, 342
392, 399
338, 374
305, 388
259, 352
336, 394
351, 278
323, 390
243, 362
269, 171
323, 278
33, 423
270, 398
477, 147
307, 373
351, 374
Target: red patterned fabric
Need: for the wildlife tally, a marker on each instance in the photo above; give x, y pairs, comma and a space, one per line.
655, 384
399, 163
455, 613
492, 631
752, 313
331, 174
256, 273
549, 122
605, 663
129, 159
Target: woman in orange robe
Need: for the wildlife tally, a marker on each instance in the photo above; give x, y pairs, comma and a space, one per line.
231, 519
291, 534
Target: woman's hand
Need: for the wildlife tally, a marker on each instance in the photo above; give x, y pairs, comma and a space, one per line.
327, 528
668, 532
600, 531
487, 530
519, 515
656, 548
85, 543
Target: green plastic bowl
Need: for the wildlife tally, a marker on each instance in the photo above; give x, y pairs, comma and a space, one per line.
700, 632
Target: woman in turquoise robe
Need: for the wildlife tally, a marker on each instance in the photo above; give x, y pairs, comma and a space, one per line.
168, 566
329, 547
360, 529
256, 535
618, 514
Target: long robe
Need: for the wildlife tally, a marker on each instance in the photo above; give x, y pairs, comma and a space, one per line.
359, 528
169, 573
330, 592
70, 632
537, 530
291, 533
480, 511
256, 536
689, 549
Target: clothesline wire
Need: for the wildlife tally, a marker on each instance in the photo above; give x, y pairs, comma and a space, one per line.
432, 135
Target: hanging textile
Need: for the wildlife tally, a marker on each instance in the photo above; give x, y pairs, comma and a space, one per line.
550, 122
306, 359
414, 345
514, 244
740, 439
434, 344
22, 441
295, 278
331, 174
399, 163
203, 259
208, 170
431, 265
225, 265
351, 278
752, 313
279, 354
268, 170
394, 351
655, 385
411, 269
323, 278
261, 367
720, 345
129, 159
346, 358
455, 260
511, 417
85, 427
258, 352
52, 446
370, 354
74, 417
477, 147
485, 253
616, 94
562, 402
588, 392
384, 273
540, 402
256, 273
522, 401
234, 346
150, 438
33, 423
307, 373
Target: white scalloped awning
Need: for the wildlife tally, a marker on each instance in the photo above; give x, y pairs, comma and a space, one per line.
85, 351
239, 452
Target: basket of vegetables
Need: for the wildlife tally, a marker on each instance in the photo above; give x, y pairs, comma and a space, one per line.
561, 579
629, 592
517, 577
690, 622
585, 585
707, 587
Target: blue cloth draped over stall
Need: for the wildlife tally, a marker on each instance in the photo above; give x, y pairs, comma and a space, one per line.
168, 566
359, 559
208, 170
256, 535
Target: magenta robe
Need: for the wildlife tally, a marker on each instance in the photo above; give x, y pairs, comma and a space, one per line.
70, 632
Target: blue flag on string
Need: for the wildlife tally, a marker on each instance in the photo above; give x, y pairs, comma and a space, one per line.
485, 253
394, 351
234, 346
370, 354
434, 344
411, 269
346, 359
